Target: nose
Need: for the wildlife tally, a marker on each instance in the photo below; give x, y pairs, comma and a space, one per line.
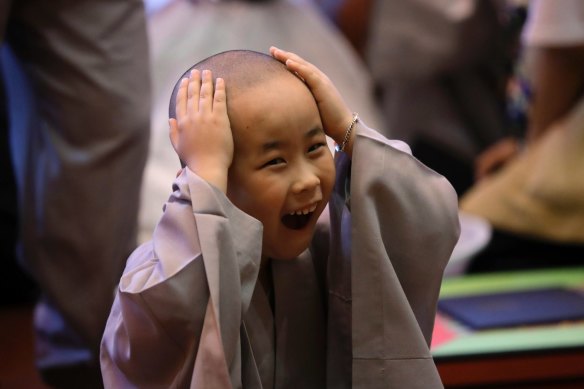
305, 180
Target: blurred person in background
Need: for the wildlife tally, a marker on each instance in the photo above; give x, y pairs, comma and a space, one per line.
77, 104
440, 68
532, 189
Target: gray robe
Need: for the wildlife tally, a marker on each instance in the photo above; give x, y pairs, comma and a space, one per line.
356, 309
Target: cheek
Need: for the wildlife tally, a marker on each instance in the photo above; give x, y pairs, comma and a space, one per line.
268, 199
328, 178
257, 199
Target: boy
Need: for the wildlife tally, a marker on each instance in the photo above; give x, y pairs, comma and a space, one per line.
248, 281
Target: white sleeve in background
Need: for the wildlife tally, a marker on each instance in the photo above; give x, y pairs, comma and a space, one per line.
554, 23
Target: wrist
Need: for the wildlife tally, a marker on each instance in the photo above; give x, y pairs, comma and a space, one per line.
212, 172
344, 143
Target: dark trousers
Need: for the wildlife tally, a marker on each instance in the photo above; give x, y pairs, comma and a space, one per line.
508, 252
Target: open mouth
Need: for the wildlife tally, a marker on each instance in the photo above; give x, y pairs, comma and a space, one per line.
296, 222
299, 219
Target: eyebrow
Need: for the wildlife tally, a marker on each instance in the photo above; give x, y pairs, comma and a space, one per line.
312, 133
274, 145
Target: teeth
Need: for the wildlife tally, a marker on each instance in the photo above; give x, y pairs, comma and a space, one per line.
304, 211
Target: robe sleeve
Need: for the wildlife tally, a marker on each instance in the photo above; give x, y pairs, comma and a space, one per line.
176, 317
404, 225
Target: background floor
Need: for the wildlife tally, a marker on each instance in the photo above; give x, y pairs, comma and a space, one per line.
17, 368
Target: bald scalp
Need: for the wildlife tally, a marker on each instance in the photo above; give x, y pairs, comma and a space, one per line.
241, 70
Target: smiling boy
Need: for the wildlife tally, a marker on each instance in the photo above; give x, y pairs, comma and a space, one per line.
263, 271
282, 172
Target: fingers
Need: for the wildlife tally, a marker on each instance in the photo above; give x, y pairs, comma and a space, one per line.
288, 58
187, 96
194, 89
284, 56
294, 61
304, 69
197, 94
206, 93
198, 104
181, 99
219, 97
173, 133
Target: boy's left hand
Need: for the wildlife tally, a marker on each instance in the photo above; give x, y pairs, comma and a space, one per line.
334, 113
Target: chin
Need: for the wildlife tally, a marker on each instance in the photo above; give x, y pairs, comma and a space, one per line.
289, 243
288, 253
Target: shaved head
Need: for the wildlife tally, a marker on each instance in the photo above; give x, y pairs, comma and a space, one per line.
241, 70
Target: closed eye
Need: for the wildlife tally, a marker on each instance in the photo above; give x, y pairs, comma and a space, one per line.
316, 147
274, 162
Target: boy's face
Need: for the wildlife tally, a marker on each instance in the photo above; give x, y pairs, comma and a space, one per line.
282, 172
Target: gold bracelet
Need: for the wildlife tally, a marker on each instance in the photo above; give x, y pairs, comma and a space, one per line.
348, 133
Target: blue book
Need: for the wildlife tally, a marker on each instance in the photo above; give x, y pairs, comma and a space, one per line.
516, 308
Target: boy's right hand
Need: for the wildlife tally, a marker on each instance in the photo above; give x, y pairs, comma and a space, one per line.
201, 133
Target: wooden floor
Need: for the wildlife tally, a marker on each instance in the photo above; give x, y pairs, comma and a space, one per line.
17, 370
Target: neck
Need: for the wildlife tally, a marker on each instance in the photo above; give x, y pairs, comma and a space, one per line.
266, 281
265, 274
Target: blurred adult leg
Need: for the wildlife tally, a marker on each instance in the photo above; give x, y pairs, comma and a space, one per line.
79, 166
16, 287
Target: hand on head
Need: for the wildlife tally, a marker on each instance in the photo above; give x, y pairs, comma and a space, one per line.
201, 133
334, 113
